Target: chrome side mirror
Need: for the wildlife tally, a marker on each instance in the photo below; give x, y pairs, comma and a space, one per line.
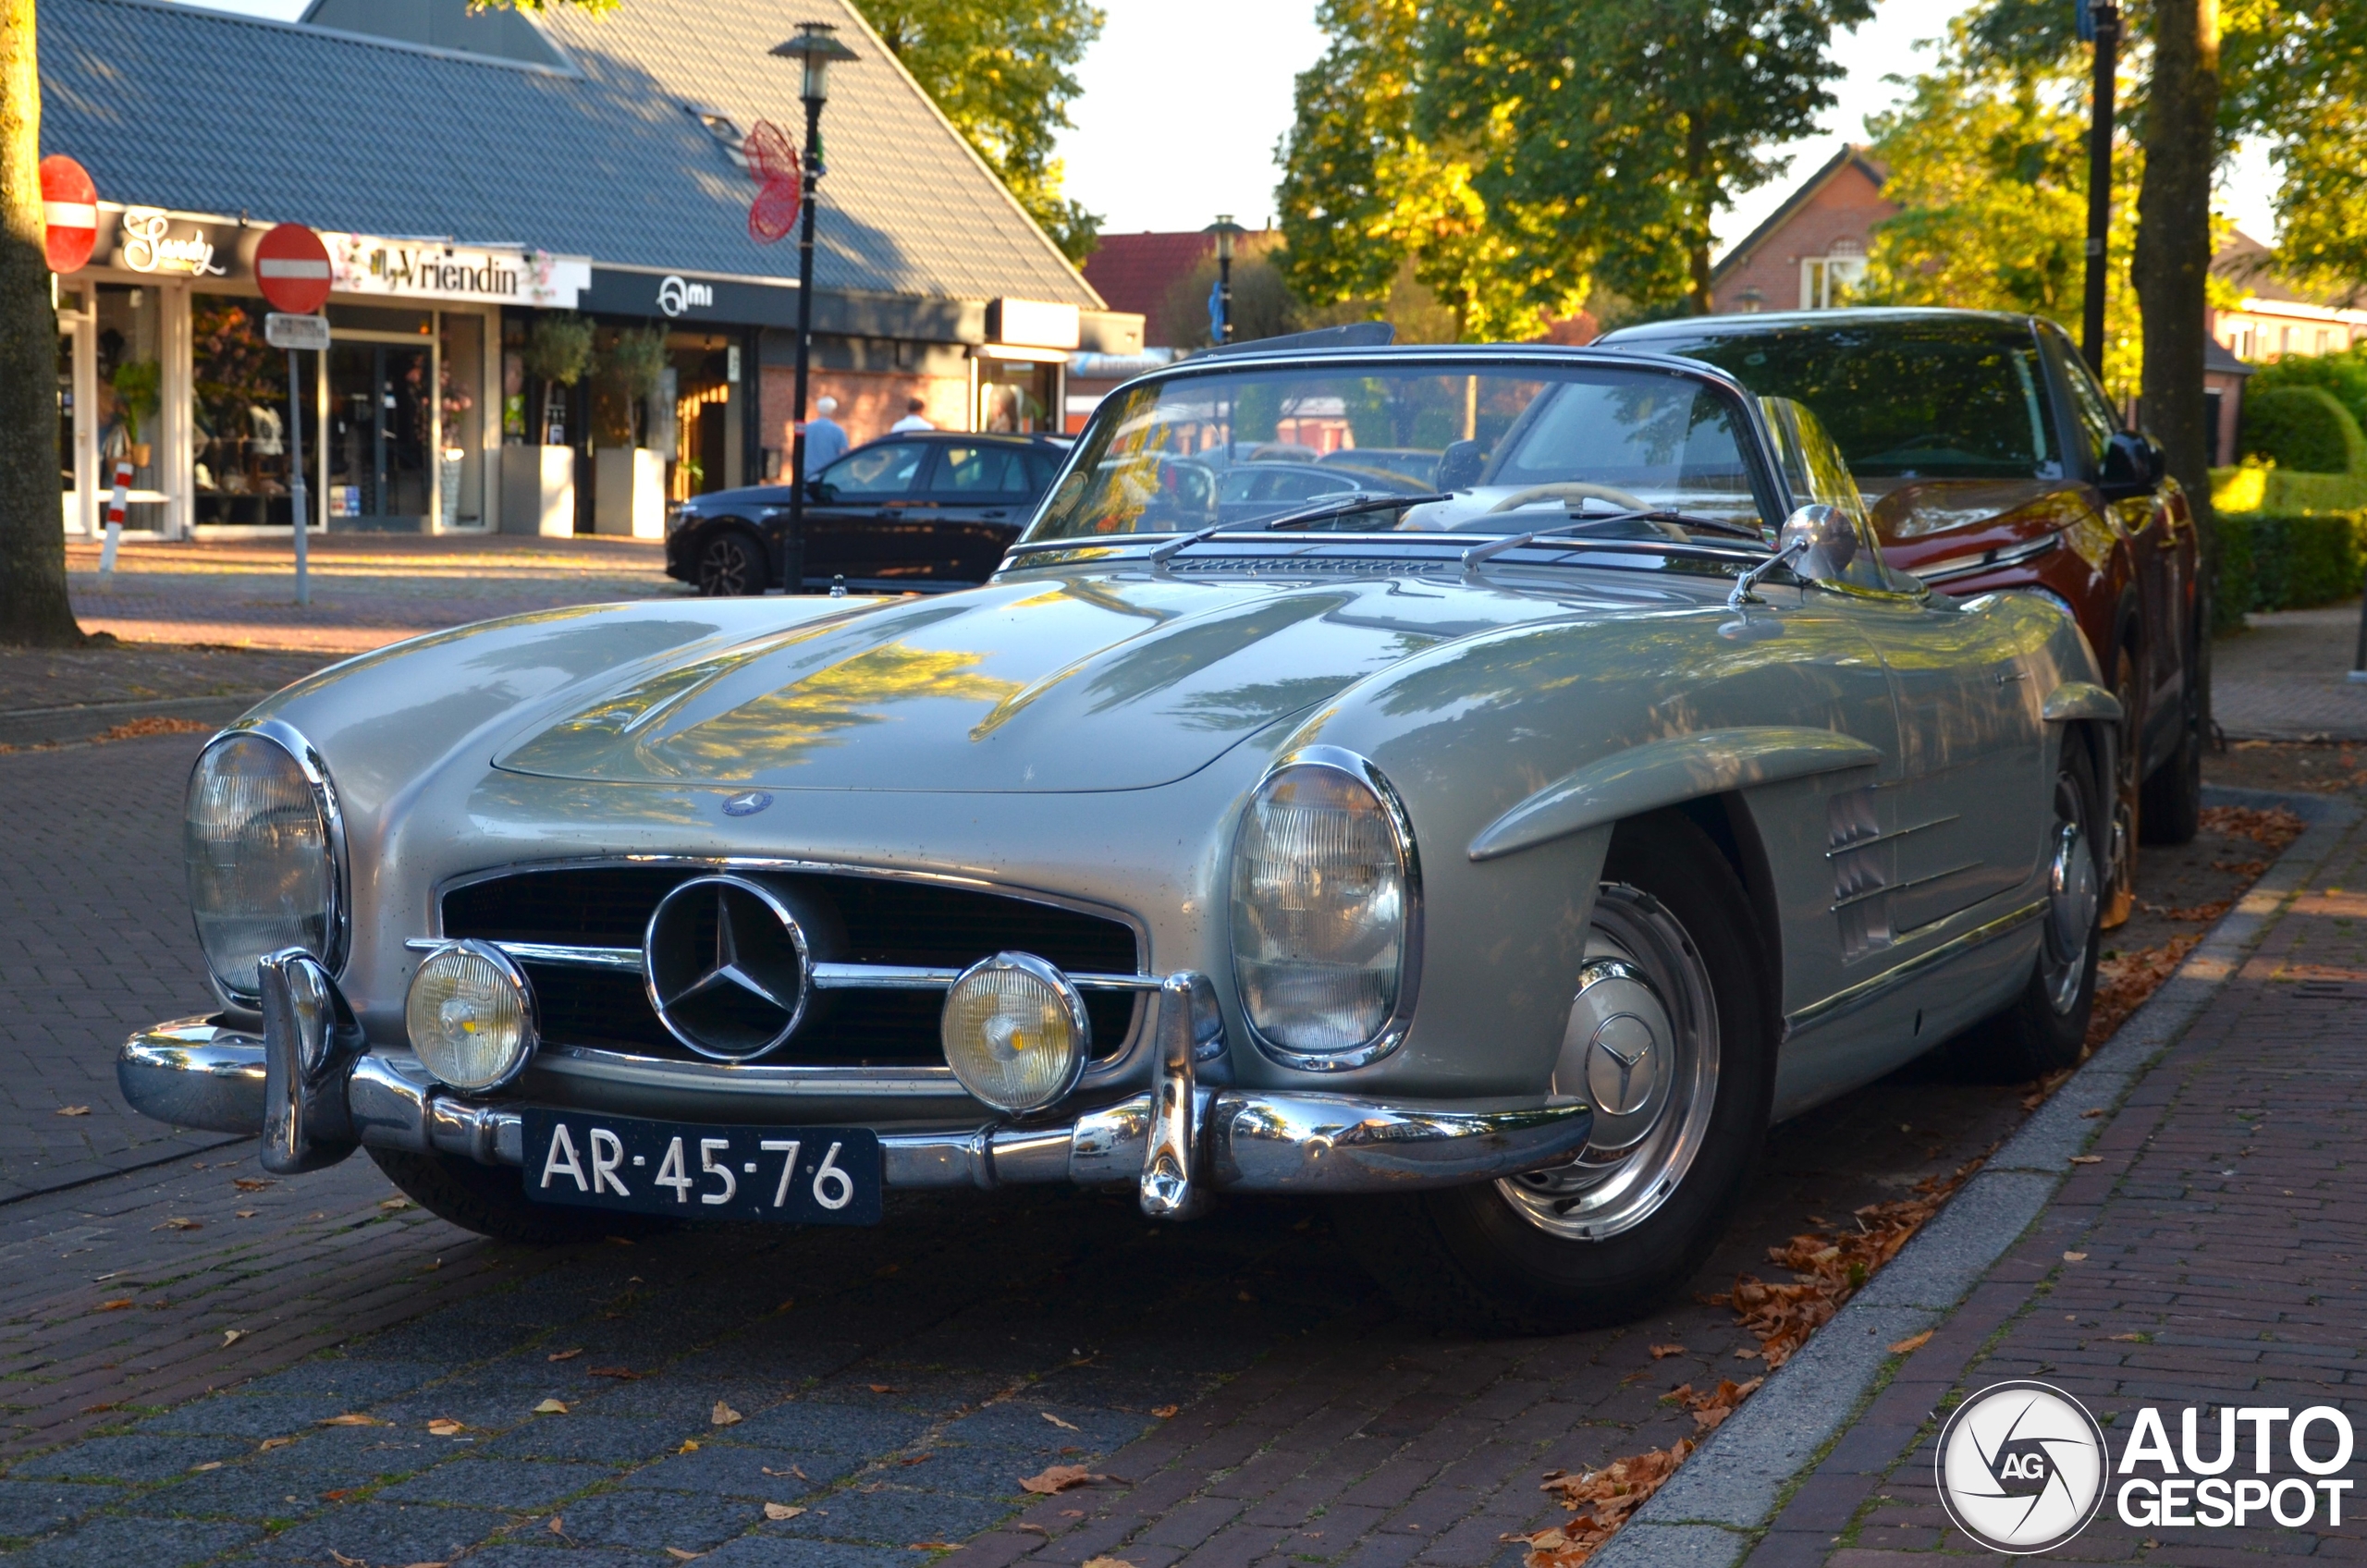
1820, 541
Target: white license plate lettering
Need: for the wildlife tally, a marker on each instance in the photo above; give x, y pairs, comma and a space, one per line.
787, 1165
607, 1152
670, 1174
824, 1175
708, 1149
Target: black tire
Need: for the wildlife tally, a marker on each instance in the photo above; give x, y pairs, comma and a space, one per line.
730, 565
491, 1200
2171, 811
1505, 1258
2125, 827
2044, 1029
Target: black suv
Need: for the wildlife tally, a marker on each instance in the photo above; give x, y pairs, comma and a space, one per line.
925, 511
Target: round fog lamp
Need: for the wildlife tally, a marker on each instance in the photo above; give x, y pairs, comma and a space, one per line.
1016, 1032
471, 1016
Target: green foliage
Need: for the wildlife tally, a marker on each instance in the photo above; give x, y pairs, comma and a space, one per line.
1988, 164
2344, 375
1382, 220
1002, 71
636, 359
2285, 561
139, 389
1632, 121
559, 348
2304, 428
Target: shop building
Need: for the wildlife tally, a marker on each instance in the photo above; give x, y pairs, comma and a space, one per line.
490, 186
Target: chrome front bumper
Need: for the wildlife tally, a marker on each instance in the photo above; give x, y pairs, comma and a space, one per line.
316, 1094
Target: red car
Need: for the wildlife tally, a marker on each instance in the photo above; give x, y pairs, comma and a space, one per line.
1993, 462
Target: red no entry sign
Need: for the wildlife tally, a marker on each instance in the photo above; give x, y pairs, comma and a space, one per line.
292, 269
69, 207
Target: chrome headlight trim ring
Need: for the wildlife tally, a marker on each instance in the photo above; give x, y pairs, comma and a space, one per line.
512, 976
315, 770
1395, 1028
1072, 1002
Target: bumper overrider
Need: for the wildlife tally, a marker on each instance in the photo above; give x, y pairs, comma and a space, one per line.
315, 1091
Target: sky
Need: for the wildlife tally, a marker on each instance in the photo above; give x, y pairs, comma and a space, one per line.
1182, 109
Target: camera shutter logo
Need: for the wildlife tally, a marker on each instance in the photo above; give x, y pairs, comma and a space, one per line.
2022, 1467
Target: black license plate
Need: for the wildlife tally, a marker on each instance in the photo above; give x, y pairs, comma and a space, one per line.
801, 1175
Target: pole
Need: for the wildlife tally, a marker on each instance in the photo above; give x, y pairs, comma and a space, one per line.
2107, 69
1225, 285
298, 503
115, 501
793, 564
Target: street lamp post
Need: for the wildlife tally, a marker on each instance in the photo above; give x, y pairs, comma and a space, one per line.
817, 47
2103, 18
1226, 231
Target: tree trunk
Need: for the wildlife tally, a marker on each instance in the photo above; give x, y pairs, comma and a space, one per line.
33, 607
2172, 250
1703, 196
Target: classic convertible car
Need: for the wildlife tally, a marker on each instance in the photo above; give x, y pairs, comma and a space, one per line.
1499, 859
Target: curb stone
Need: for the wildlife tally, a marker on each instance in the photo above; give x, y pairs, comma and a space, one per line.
1709, 1513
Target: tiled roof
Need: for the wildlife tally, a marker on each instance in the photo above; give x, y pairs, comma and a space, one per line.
174, 107
1136, 272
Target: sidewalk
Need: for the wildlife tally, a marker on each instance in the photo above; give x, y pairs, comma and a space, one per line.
2286, 677
2179, 1226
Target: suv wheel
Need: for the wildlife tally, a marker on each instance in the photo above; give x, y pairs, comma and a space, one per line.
731, 564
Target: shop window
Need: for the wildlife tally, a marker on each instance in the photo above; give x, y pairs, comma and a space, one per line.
130, 396
460, 386
1015, 398
696, 388
240, 440
379, 419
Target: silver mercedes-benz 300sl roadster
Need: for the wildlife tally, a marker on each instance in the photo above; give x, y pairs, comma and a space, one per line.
1500, 854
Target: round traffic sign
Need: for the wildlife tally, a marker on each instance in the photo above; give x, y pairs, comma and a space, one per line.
292, 268
69, 208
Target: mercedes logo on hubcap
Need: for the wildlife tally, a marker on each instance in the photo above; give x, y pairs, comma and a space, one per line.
728, 967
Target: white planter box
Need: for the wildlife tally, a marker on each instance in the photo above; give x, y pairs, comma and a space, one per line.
628, 492
538, 490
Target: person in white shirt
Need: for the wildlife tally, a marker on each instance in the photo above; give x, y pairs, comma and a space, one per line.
826, 438
913, 419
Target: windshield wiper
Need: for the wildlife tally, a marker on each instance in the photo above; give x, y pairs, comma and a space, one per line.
1494, 548
1348, 505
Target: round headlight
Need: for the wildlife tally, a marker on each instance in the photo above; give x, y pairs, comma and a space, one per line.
260, 833
1016, 1032
1323, 924
471, 1016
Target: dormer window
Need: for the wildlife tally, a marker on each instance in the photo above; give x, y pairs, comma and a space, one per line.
724, 129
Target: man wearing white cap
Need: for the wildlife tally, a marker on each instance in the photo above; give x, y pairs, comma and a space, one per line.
825, 439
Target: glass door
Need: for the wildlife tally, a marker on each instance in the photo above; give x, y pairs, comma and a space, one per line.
77, 375
380, 426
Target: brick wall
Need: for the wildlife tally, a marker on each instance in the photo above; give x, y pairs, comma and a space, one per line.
1845, 208
868, 403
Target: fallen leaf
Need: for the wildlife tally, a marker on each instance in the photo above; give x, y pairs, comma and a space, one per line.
270, 1443
1063, 1426
1071, 1513
248, 1213
724, 1416
351, 1418
1107, 1563
445, 1427
115, 1305
180, 1222
94, 1409
232, 1336
930, 1546
625, 1374
781, 1511
551, 1407
2091, 1113
1662, 1353
2087, 1159
1746, 1354
1243, 1296
1603, 1500
253, 1183
2132, 1339
1165, 1412
209, 1465
618, 1240
1060, 1478
883, 1388
1033, 1529
349, 1562
924, 1458
2075, 1257
339, 1495
392, 1205
678, 1555
556, 1526
690, 1445
1913, 1343
885, 1269
565, 1354
73, 1110
1712, 1406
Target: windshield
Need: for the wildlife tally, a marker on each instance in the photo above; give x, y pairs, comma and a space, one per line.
1520, 449
1937, 400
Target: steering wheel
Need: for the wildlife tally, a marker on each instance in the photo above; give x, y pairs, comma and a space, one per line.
1571, 490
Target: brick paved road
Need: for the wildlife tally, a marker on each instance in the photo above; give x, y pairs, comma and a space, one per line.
910, 1383
2216, 1255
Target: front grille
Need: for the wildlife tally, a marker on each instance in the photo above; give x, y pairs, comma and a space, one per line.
886, 922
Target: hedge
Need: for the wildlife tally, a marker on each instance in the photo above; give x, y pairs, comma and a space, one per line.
2304, 429
2344, 375
2286, 561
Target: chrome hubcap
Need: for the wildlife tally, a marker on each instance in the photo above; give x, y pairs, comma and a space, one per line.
2072, 895
1641, 1045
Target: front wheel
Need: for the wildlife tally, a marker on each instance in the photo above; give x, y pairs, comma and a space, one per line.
1672, 1040
2173, 797
731, 564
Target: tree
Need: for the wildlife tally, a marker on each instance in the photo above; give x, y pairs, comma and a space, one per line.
1644, 117
1003, 74
2172, 257
2296, 71
1369, 205
1988, 166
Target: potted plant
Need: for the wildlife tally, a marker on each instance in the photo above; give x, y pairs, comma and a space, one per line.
629, 481
138, 386
538, 481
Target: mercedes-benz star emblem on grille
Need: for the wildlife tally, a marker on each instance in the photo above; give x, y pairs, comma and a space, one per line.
729, 970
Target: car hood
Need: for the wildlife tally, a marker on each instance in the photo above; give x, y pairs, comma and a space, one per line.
1111, 681
1908, 511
